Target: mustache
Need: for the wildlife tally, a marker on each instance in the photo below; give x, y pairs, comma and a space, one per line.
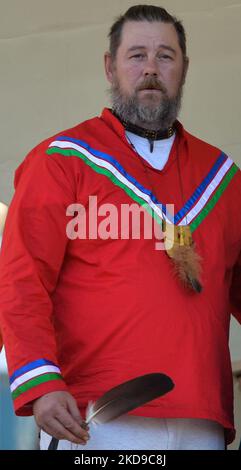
151, 83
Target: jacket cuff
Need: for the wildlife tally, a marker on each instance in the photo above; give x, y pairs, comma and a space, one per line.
33, 380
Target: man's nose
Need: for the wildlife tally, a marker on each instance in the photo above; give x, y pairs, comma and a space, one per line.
151, 68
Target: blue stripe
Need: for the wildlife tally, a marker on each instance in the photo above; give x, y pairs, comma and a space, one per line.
30, 366
196, 195
117, 165
189, 204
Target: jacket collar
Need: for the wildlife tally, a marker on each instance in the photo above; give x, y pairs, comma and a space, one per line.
112, 121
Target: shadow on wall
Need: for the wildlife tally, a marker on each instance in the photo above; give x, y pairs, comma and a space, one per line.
16, 433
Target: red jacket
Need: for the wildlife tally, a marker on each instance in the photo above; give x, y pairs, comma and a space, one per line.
86, 314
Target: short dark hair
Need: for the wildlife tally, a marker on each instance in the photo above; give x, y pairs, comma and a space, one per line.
145, 13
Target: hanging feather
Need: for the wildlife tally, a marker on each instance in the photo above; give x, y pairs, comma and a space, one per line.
181, 249
127, 396
123, 398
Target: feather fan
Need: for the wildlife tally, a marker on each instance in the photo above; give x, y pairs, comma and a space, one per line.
128, 396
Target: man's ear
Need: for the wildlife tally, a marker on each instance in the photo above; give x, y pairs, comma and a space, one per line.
185, 69
109, 66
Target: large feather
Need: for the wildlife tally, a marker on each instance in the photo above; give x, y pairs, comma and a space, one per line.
127, 396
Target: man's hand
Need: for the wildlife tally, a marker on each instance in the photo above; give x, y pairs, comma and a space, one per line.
57, 413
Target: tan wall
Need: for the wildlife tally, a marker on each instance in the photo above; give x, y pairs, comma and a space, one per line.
51, 59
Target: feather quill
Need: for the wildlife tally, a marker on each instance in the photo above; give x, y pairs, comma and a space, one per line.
127, 396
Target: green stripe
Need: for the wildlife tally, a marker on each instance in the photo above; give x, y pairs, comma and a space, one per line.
213, 201
193, 226
104, 171
34, 382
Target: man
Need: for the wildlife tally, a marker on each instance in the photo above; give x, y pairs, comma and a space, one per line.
85, 303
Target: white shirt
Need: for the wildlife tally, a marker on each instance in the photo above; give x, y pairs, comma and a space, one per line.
161, 150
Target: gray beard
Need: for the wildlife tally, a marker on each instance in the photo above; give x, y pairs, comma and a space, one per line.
160, 117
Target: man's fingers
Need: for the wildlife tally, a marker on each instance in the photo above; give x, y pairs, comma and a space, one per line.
74, 410
55, 429
69, 423
57, 413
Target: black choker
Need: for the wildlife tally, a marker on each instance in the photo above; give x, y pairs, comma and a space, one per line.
148, 134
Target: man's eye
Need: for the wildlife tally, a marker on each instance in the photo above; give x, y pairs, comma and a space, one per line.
137, 56
165, 56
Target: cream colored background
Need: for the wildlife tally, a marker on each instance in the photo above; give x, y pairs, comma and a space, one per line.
51, 75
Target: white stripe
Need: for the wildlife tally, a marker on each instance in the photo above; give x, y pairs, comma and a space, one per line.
207, 193
190, 215
31, 374
113, 170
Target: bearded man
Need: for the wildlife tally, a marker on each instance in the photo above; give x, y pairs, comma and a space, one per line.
82, 314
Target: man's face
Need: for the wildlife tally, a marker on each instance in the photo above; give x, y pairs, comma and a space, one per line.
148, 71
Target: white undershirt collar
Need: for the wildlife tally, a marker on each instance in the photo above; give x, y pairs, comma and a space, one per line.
161, 151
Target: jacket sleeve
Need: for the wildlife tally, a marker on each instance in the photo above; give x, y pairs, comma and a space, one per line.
235, 291
33, 248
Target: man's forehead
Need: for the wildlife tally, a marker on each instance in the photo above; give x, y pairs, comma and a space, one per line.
147, 30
